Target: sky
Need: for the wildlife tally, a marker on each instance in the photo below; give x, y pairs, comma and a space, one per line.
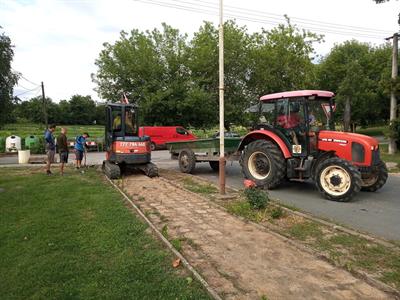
58, 41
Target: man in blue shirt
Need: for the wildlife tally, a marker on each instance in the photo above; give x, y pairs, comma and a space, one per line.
50, 147
80, 144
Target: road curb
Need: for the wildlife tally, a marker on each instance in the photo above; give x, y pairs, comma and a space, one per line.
272, 229
184, 261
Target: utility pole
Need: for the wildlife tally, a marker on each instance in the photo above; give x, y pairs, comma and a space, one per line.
44, 107
221, 103
393, 101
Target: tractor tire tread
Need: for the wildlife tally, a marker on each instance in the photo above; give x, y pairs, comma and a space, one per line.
382, 178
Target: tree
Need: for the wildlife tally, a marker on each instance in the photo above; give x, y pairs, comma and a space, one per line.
203, 64
7, 78
282, 59
356, 72
82, 110
383, 1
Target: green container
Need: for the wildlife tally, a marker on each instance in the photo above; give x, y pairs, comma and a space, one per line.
31, 141
2, 144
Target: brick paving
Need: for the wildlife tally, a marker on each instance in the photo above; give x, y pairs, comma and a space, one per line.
238, 259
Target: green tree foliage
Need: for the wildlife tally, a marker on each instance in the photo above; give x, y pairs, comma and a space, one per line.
203, 63
79, 109
282, 59
176, 81
7, 79
358, 73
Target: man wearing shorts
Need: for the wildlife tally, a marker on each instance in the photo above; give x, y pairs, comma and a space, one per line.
62, 146
50, 147
80, 144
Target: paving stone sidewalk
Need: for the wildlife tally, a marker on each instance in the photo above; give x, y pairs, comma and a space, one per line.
238, 259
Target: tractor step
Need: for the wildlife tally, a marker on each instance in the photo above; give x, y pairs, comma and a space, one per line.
300, 169
297, 179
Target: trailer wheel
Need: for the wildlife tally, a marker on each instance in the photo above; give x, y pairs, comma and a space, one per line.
337, 179
376, 180
263, 162
111, 170
187, 161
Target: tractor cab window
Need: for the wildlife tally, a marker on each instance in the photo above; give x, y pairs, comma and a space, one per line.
116, 120
267, 114
290, 120
318, 115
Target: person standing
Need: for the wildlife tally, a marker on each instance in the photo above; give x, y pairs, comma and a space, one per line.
50, 147
80, 144
62, 146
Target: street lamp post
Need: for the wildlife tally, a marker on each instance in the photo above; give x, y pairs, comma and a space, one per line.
221, 103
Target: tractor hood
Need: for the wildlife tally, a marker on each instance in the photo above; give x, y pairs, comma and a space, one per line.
341, 137
358, 148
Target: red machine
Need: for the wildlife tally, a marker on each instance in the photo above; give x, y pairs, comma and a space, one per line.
295, 140
160, 135
125, 148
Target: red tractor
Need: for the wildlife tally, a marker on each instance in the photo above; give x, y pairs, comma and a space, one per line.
125, 148
295, 140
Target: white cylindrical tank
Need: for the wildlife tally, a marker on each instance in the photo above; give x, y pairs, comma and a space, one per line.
13, 143
23, 156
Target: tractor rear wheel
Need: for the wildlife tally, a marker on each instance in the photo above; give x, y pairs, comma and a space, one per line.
263, 162
337, 179
153, 146
111, 170
187, 161
376, 180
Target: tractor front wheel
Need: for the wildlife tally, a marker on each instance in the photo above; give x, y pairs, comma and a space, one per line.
376, 179
263, 162
338, 179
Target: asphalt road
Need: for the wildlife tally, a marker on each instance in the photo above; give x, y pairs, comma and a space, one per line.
376, 213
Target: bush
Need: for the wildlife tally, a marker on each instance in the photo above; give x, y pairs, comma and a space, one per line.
277, 213
38, 148
257, 198
2, 145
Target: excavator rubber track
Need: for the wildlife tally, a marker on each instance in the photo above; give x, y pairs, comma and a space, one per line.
111, 170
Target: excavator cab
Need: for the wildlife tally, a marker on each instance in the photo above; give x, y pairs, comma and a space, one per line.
124, 147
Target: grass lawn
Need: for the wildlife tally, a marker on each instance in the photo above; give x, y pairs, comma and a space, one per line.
72, 237
24, 130
373, 131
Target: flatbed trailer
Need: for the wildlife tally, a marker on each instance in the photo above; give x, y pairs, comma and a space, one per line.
188, 153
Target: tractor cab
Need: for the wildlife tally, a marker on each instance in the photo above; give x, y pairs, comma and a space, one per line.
297, 118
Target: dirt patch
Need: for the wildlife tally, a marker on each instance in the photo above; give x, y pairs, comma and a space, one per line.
240, 260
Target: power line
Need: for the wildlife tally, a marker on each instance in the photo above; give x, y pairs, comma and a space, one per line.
27, 91
23, 77
206, 10
307, 21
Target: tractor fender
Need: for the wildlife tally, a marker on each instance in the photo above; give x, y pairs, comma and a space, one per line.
319, 159
265, 135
